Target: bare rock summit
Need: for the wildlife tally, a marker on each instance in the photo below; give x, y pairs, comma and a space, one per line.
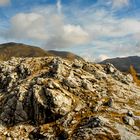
50, 98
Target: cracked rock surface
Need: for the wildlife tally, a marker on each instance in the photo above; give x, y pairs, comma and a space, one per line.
50, 98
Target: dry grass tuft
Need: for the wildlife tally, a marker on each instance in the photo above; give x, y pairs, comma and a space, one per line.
134, 75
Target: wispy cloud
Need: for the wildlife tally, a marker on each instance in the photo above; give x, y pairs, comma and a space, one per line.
59, 6
120, 3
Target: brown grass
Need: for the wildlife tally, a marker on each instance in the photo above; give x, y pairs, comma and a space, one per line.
134, 75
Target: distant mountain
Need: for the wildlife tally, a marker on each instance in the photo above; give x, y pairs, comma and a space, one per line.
12, 49
64, 54
123, 64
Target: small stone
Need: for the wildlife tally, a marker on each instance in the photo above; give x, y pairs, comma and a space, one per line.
130, 113
79, 107
87, 85
128, 120
109, 103
39, 81
73, 122
77, 64
63, 135
9, 138
110, 68
91, 122
7, 134
136, 128
70, 82
90, 104
35, 134
50, 84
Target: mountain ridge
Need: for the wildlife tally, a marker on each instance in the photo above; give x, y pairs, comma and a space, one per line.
12, 49
124, 63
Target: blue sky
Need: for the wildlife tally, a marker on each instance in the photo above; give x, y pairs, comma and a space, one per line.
94, 29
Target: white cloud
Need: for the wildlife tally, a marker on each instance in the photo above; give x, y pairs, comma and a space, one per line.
67, 36
120, 3
4, 2
48, 27
131, 25
76, 34
137, 37
59, 6
30, 26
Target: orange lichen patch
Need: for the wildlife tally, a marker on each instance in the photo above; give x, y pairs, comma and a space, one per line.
131, 102
110, 88
114, 116
121, 102
2, 137
137, 123
107, 137
81, 114
137, 113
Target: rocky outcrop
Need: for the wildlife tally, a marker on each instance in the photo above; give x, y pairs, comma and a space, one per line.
53, 98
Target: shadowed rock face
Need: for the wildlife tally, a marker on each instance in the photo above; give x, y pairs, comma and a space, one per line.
53, 98
31, 96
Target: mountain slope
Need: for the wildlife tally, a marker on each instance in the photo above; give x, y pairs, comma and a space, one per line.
51, 98
12, 49
123, 64
64, 54
9, 50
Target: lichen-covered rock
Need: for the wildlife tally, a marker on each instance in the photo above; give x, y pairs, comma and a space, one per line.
56, 99
94, 128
